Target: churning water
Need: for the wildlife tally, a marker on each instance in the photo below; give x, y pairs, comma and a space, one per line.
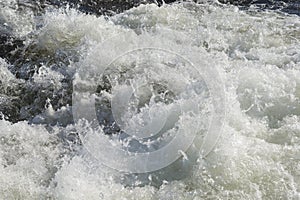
216, 86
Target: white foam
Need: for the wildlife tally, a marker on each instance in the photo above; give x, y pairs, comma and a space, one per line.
257, 157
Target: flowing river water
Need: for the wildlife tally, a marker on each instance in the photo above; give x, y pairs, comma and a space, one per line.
251, 92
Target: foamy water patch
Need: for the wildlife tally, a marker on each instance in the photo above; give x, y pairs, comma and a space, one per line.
16, 22
257, 156
29, 159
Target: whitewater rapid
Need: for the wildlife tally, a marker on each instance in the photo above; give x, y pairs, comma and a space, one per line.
255, 53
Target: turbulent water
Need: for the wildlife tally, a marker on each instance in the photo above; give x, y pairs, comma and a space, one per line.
49, 52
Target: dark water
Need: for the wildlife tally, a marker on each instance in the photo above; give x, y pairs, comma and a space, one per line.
116, 6
109, 7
